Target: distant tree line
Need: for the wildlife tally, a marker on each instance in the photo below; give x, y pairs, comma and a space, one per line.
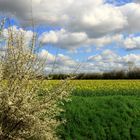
121, 74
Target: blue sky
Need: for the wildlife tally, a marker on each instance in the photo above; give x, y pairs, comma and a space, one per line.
119, 2
100, 35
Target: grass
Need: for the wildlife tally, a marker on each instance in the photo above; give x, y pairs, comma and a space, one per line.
105, 113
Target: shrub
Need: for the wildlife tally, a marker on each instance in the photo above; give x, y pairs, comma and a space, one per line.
23, 114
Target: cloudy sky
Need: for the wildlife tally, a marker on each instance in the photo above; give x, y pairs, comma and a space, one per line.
88, 35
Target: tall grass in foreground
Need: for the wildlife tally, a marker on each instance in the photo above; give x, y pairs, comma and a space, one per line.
101, 118
103, 110
24, 114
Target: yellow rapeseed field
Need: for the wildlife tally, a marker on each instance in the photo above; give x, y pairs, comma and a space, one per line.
104, 87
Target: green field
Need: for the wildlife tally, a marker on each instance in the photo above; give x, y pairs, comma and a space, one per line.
102, 110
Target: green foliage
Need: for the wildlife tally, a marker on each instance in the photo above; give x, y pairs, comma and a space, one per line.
102, 110
133, 73
102, 118
106, 92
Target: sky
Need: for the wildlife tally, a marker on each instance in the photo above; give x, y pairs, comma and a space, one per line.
83, 35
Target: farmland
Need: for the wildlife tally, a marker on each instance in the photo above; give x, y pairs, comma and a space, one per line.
102, 110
